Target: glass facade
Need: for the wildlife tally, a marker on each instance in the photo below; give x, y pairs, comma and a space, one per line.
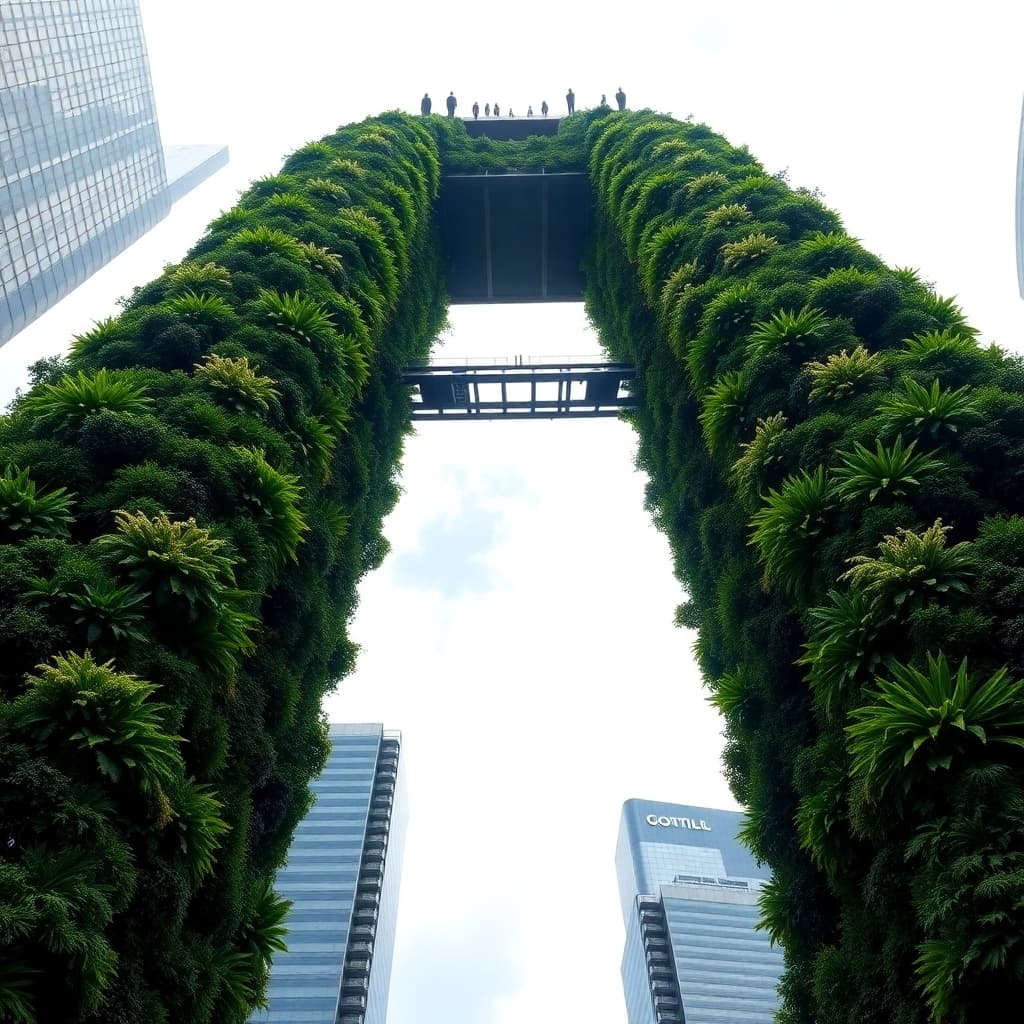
342, 876
689, 893
82, 172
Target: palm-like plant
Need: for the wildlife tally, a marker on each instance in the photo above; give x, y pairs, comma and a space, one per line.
102, 331
173, 561
787, 329
197, 825
704, 184
275, 497
947, 314
208, 314
953, 341
747, 251
287, 204
724, 413
105, 608
787, 529
304, 317
761, 458
888, 471
221, 639
24, 512
919, 722
325, 190
824, 251
912, 569
198, 278
672, 291
240, 975
60, 902
77, 707
263, 934
236, 383
842, 649
727, 215
265, 241
929, 411
66, 404
660, 253
325, 262
843, 374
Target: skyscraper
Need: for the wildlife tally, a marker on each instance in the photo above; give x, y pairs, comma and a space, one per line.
342, 876
82, 169
689, 901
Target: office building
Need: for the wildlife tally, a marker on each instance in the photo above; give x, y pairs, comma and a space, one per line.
689, 902
342, 876
82, 168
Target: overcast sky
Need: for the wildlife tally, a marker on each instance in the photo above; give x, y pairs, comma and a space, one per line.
520, 633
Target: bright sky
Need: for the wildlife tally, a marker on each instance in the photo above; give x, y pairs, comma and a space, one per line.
520, 634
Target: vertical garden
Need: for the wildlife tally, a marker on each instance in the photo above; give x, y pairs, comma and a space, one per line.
839, 468
188, 502
186, 507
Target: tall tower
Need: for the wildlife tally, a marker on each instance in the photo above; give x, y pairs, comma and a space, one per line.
82, 168
342, 876
689, 901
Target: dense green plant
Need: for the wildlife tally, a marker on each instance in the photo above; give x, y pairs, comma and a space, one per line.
67, 404
887, 471
237, 382
821, 597
25, 512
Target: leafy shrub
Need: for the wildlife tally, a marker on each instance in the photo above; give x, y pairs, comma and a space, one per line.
792, 330
24, 512
67, 404
739, 255
237, 383
929, 411
844, 374
274, 497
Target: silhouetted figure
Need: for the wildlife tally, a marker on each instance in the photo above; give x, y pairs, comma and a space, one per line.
570, 100
620, 98
476, 110
487, 110
451, 103
497, 111
510, 114
544, 108
425, 105
529, 111
604, 100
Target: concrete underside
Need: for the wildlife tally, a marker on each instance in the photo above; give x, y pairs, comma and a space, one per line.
506, 128
515, 237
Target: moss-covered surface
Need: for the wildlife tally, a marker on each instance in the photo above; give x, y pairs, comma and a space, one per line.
193, 498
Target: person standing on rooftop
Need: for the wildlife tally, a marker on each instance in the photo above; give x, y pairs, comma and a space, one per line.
570, 100
476, 110
425, 105
452, 103
620, 98
544, 108
487, 110
497, 111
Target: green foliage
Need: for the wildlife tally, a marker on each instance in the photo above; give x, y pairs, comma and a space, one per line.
786, 329
718, 325
929, 411
755, 247
920, 722
264, 933
843, 374
81, 708
788, 526
304, 317
104, 608
67, 404
913, 568
24, 512
887, 471
762, 457
169, 560
197, 824
237, 383
725, 411
274, 497
198, 278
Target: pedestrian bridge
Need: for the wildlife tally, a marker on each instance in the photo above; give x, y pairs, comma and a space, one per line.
545, 388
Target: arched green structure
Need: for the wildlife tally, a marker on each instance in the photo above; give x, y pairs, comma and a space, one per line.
189, 503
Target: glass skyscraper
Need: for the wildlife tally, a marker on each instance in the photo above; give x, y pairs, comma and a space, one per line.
689, 901
82, 168
342, 876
